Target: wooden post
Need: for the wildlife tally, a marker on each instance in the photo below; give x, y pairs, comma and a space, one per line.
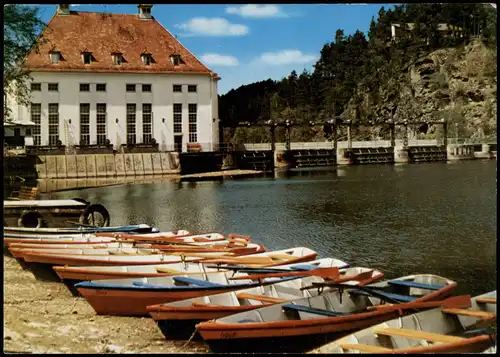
287, 135
334, 131
445, 133
349, 138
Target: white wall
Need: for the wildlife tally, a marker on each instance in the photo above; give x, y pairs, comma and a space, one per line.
162, 98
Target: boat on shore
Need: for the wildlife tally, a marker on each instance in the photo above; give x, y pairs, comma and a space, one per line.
448, 330
130, 297
70, 275
309, 322
177, 319
41, 263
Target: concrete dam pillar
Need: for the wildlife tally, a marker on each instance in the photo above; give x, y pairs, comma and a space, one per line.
345, 157
401, 155
282, 159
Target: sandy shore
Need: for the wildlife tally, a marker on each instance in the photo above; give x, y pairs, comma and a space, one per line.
43, 317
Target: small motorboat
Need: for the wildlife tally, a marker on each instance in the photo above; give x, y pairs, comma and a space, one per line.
178, 319
309, 322
70, 275
439, 330
130, 297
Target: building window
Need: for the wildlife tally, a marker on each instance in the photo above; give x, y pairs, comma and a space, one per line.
146, 88
87, 57
146, 59
84, 124
36, 87
55, 56
176, 59
177, 118
192, 111
36, 117
131, 123
100, 87
101, 123
147, 123
84, 87
53, 87
53, 123
117, 58
177, 88
192, 88
130, 87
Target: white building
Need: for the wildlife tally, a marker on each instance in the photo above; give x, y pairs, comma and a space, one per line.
118, 77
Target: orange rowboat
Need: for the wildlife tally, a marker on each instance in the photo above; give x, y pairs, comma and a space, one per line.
70, 275
178, 319
309, 322
126, 297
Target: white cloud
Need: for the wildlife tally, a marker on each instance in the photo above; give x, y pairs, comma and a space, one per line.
286, 57
215, 59
203, 26
256, 11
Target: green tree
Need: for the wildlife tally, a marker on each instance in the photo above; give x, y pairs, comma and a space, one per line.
21, 28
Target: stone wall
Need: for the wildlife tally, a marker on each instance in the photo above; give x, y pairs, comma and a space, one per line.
107, 165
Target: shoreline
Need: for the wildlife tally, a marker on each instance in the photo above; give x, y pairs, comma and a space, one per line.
43, 317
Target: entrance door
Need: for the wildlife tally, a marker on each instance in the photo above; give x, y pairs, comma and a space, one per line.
178, 143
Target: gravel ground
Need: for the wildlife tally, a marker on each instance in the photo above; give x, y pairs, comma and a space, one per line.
43, 317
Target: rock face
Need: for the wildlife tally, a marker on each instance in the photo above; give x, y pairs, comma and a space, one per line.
455, 84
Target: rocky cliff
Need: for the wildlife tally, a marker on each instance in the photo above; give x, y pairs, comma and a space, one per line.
456, 84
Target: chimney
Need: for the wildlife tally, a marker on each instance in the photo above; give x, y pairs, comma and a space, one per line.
62, 9
145, 11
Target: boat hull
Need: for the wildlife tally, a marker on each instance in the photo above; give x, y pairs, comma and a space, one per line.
232, 336
122, 302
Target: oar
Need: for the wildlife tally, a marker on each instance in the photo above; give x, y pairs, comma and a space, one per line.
461, 302
342, 279
320, 272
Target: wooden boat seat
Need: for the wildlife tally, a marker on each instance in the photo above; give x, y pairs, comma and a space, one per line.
413, 284
282, 256
486, 300
192, 281
418, 335
485, 315
312, 310
397, 297
167, 270
262, 298
364, 348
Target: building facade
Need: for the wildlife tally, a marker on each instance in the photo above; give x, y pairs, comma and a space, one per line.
116, 79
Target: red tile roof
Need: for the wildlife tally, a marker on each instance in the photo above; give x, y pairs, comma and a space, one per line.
104, 34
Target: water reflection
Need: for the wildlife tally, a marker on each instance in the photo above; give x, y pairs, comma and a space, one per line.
422, 218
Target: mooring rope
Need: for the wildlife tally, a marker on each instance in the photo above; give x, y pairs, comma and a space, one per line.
190, 338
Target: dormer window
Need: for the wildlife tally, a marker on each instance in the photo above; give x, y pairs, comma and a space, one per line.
55, 56
87, 57
146, 58
117, 58
176, 59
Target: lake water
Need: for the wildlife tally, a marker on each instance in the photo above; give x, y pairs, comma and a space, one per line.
437, 218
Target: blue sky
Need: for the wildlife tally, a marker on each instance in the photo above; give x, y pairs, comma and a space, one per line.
250, 43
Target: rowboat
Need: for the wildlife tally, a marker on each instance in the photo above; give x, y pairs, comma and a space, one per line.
220, 246
41, 263
70, 275
178, 319
130, 297
138, 228
160, 236
310, 322
439, 330
170, 237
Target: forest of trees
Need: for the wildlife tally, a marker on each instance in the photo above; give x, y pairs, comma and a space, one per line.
352, 62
